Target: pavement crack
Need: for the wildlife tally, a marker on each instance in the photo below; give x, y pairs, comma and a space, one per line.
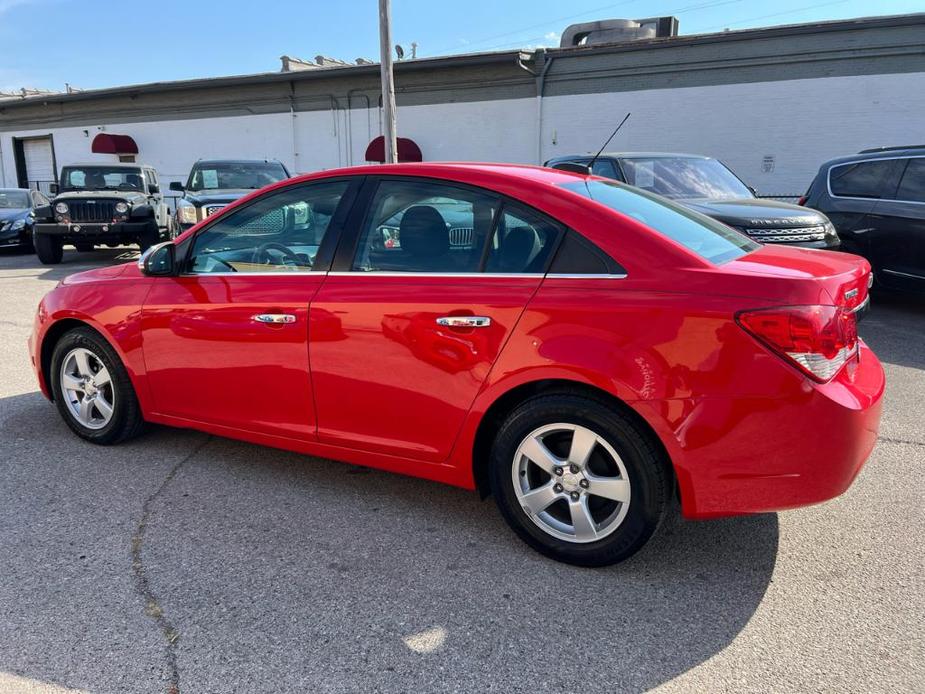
153, 608
907, 442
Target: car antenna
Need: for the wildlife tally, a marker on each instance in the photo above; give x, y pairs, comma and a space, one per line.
591, 163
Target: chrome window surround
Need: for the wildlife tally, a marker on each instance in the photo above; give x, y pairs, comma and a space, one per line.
459, 275
828, 179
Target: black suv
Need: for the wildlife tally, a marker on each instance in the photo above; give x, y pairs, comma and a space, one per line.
101, 204
709, 187
213, 184
876, 199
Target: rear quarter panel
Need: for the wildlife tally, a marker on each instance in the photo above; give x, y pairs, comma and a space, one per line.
662, 353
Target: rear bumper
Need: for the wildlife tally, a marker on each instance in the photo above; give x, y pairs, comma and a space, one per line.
752, 455
93, 232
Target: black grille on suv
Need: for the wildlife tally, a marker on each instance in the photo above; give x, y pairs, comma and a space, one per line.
91, 210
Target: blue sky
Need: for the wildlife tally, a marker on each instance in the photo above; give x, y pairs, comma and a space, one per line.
96, 43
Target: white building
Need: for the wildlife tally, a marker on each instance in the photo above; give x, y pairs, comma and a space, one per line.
772, 103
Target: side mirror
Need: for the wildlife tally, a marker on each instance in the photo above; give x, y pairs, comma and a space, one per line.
53, 188
177, 186
159, 260
154, 189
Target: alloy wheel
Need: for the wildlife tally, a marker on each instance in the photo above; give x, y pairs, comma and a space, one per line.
571, 482
87, 388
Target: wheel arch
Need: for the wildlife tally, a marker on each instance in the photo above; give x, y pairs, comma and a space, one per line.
490, 423
60, 328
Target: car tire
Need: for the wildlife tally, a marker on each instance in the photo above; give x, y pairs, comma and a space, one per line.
149, 237
606, 507
48, 248
81, 354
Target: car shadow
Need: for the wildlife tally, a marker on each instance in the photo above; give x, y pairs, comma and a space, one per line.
892, 318
290, 573
26, 264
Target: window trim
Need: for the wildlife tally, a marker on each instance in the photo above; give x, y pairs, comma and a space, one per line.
349, 247
326, 250
828, 179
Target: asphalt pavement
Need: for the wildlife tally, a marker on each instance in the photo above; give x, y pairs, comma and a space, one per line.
181, 562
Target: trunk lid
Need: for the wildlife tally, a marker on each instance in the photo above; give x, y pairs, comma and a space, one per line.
804, 275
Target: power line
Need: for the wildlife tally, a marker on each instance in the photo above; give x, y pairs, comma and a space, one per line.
541, 25
805, 8
677, 11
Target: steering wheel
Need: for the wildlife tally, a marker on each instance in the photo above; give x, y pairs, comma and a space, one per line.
262, 254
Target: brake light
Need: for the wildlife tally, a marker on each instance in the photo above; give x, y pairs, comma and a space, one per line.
819, 340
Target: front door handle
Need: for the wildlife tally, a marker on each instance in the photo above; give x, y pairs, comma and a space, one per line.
464, 321
274, 318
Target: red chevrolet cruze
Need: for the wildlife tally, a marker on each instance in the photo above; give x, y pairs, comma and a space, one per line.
580, 349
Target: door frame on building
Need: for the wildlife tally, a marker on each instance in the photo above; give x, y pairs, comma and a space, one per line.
19, 157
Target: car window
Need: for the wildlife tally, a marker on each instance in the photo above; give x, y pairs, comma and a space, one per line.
235, 175
704, 236
684, 177
912, 186
863, 179
522, 242
418, 226
101, 178
280, 232
14, 199
605, 168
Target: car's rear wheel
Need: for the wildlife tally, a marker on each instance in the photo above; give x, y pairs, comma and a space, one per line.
92, 389
48, 248
577, 480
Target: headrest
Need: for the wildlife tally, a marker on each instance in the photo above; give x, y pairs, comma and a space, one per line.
520, 247
423, 232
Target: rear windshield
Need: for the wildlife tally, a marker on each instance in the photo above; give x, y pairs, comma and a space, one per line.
706, 237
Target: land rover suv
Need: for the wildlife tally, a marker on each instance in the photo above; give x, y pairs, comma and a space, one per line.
708, 186
102, 204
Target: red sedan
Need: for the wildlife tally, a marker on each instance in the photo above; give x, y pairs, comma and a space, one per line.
580, 349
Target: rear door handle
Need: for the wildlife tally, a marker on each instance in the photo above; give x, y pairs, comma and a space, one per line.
274, 318
464, 321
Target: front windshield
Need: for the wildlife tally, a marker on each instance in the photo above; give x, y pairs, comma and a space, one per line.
706, 237
101, 178
14, 200
247, 175
684, 177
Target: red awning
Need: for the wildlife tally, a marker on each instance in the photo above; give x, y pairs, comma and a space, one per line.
407, 150
106, 143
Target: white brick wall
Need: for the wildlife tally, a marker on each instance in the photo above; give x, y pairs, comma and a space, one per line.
800, 123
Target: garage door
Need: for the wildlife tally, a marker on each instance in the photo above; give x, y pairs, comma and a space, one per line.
40, 161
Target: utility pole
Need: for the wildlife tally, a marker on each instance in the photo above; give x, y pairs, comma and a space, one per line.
388, 88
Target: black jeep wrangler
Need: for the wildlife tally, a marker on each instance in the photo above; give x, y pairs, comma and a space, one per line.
102, 204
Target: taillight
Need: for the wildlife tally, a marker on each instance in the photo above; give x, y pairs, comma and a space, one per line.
819, 340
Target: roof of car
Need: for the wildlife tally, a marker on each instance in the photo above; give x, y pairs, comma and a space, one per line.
882, 153
212, 162
633, 155
107, 164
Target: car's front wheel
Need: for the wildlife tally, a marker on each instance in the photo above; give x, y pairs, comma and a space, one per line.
92, 389
578, 480
48, 248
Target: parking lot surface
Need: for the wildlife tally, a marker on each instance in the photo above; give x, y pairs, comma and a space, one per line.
182, 562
